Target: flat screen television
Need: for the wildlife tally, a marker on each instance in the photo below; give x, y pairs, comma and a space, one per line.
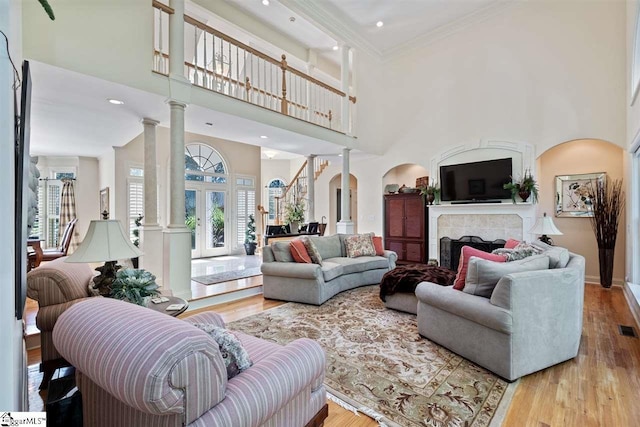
21, 188
477, 181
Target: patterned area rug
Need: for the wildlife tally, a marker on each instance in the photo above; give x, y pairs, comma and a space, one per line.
226, 276
376, 359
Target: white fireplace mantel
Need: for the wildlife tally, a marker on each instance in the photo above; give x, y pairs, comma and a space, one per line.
526, 212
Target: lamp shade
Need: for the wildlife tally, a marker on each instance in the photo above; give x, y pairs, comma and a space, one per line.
105, 241
545, 226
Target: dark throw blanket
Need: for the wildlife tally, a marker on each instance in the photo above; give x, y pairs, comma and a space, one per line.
405, 278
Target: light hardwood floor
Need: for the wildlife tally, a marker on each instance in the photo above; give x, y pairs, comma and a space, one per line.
600, 387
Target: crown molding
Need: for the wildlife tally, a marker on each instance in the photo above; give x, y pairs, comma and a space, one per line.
331, 22
448, 29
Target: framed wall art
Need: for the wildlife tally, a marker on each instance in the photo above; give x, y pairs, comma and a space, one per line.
573, 194
104, 201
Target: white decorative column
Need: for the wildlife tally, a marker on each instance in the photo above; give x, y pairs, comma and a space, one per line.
311, 191
151, 233
177, 237
345, 225
176, 40
344, 79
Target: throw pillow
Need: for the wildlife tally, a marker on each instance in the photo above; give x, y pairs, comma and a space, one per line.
312, 250
521, 251
359, 245
282, 252
465, 253
511, 243
558, 256
378, 246
299, 251
482, 275
235, 357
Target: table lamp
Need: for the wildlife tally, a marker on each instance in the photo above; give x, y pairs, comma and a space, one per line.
105, 242
545, 227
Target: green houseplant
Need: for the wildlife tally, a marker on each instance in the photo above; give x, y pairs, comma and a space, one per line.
430, 192
136, 286
294, 214
524, 188
250, 236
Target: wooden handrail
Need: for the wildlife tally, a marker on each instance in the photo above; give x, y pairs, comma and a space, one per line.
295, 179
274, 61
163, 7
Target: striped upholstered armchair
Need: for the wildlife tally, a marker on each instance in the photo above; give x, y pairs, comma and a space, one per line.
138, 367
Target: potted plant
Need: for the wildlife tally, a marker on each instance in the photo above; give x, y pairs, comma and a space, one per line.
250, 236
607, 205
294, 214
136, 238
524, 188
136, 286
430, 192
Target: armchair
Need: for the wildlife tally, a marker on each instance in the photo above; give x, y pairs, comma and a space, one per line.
60, 251
135, 366
56, 286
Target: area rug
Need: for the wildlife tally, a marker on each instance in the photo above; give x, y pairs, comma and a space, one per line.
377, 362
225, 276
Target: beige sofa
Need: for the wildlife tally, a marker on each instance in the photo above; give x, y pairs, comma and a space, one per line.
285, 279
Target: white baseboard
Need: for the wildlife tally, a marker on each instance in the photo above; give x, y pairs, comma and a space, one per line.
632, 302
219, 299
595, 280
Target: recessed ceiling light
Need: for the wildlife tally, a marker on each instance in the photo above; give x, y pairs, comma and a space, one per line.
270, 154
292, 19
339, 155
264, 136
336, 47
379, 24
265, 2
209, 124
115, 101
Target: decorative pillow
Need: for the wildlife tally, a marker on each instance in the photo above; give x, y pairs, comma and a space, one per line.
235, 357
465, 253
524, 246
359, 245
482, 275
511, 243
312, 250
377, 245
521, 251
282, 252
558, 256
299, 251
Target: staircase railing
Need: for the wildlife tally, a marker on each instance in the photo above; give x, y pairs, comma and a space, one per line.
298, 187
220, 63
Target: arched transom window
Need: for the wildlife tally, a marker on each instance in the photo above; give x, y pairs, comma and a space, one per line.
203, 163
276, 188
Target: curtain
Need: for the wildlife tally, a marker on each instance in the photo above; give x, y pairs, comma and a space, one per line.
67, 213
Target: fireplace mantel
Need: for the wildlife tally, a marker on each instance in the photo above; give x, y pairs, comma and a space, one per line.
472, 214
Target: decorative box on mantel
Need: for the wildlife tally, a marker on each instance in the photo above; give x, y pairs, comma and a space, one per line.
490, 221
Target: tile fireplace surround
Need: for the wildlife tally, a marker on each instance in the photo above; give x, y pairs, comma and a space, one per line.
490, 221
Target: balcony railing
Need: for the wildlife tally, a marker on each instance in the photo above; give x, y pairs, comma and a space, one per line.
220, 63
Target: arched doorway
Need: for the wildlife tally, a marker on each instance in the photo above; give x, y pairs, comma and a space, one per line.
206, 190
335, 191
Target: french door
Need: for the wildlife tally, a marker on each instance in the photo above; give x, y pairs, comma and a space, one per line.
206, 217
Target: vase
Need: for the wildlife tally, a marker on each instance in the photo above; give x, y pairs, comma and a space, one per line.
294, 226
250, 248
430, 198
605, 257
524, 195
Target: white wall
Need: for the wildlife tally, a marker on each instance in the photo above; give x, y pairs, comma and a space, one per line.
11, 356
540, 73
106, 175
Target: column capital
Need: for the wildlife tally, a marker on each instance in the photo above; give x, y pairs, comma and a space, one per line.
346, 149
173, 103
312, 156
148, 121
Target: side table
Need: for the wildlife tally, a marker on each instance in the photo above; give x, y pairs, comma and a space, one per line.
162, 307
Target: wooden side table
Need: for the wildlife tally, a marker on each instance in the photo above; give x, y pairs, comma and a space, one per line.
162, 307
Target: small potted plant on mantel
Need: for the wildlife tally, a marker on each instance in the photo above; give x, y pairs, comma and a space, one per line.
525, 188
250, 236
430, 192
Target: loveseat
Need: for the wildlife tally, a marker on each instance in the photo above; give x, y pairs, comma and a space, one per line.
285, 279
138, 367
531, 321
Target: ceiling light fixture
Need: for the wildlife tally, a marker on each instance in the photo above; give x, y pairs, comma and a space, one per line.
265, 2
292, 19
270, 154
115, 101
379, 24
209, 124
264, 136
336, 47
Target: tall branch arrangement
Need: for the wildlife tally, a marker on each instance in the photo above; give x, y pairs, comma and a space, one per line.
607, 205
